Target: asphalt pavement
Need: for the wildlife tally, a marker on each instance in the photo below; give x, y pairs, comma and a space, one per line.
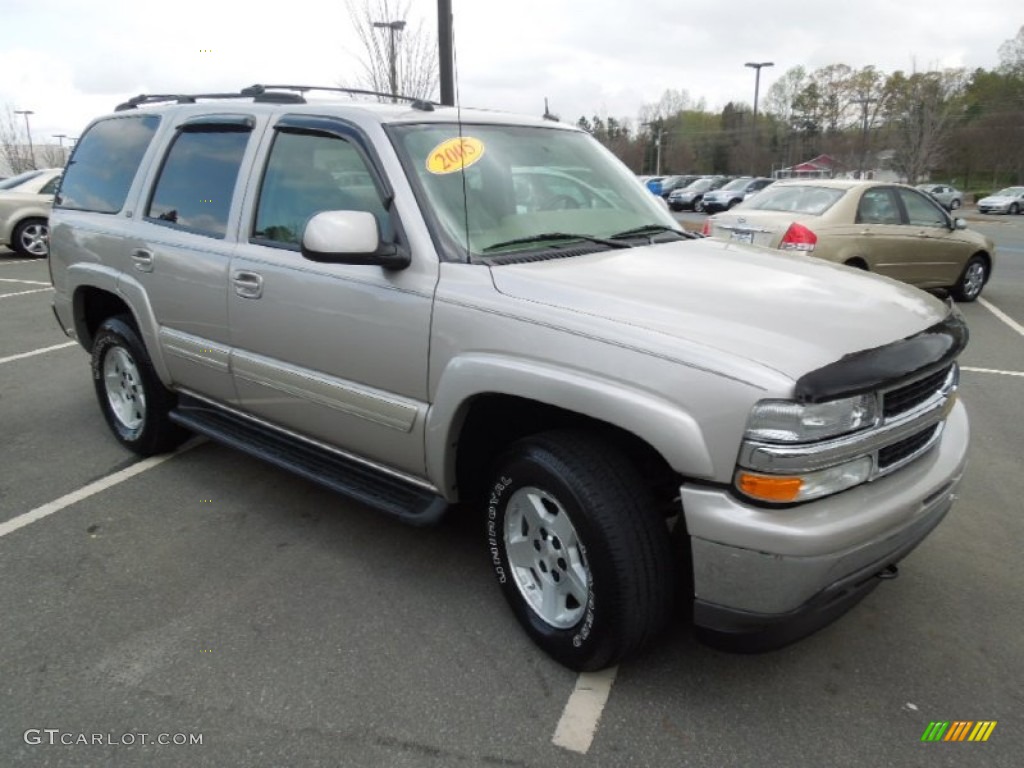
209, 595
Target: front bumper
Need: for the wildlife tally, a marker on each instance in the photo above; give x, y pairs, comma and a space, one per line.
766, 577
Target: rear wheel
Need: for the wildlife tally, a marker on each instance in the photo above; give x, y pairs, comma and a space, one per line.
972, 280
31, 238
581, 554
134, 401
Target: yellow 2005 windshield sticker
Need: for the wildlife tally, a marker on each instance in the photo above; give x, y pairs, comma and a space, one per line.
455, 154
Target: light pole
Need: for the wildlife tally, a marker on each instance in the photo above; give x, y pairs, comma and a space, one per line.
657, 147
392, 27
756, 66
31, 149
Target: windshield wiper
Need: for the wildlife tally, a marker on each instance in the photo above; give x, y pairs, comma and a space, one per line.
556, 236
649, 229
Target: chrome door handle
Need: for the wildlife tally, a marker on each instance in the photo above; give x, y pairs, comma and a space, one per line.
143, 259
248, 285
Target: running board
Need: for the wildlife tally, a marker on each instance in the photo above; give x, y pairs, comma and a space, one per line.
359, 482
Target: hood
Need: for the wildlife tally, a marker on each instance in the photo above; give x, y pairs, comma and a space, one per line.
788, 312
998, 199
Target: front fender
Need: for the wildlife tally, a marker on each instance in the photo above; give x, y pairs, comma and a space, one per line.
670, 431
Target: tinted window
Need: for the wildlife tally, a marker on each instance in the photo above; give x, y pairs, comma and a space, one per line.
878, 206
197, 180
104, 162
921, 211
796, 199
310, 173
50, 187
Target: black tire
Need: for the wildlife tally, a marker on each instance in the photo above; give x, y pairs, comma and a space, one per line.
971, 281
1014, 209
698, 205
30, 239
123, 374
954, 204
618, 542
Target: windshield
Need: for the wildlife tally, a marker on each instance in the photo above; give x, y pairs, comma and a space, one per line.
519, 183
737, 184
1010, 192
795, 199
21, 178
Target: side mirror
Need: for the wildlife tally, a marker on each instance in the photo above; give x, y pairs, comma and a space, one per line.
349, 237
959, 224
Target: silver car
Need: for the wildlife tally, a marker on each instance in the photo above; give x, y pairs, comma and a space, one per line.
1009, 200
948, 197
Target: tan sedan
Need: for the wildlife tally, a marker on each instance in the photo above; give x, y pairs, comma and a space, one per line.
892, 229
25, 202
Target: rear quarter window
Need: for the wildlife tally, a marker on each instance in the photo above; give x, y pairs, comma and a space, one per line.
100, 171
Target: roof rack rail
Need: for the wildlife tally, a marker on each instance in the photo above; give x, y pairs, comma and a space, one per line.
414, 102
267, 94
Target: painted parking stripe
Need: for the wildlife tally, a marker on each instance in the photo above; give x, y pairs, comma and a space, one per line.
576, 728
91, 489
1002, 315
991, 370
24, 293
19, 261
34, 352
27, 282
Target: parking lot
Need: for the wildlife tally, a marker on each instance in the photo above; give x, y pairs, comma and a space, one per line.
209, 594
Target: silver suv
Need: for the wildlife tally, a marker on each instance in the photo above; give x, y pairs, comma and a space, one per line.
379, 298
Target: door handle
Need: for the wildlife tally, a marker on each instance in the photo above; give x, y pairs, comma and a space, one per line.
248, 285
142, 259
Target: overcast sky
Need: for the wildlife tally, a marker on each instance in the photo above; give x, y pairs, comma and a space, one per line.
69, 60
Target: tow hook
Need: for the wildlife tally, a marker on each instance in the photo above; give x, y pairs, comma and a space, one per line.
889, 572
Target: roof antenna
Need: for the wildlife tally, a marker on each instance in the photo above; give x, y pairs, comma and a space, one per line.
547, 112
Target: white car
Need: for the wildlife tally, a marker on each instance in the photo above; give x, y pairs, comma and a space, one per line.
1009, 200
25, 202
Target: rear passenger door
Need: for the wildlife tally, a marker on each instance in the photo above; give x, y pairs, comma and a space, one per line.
334, 352
181, 250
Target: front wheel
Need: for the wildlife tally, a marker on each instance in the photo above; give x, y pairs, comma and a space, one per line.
954, 204
134, 401
972, 280
31, 238
1014, 209
698, 205
578, 548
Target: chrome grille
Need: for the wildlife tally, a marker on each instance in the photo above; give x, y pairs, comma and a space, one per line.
907, 397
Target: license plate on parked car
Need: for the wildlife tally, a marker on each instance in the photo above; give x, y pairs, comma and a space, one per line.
742, 237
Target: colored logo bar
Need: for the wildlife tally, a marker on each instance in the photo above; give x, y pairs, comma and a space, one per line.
958, 730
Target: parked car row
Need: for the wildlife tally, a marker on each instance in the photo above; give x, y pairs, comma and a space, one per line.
892, 229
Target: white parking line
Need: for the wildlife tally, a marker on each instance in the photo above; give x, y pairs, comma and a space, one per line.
24, 293
89, 490
1002, 315
991, 370
19, 261
34, 352
27, 282
575, 730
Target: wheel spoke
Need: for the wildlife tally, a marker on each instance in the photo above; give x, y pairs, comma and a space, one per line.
562, 528
521, 553
575, 581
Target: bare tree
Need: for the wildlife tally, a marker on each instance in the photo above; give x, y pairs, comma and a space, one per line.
416, 61
1011, 55
921, 110
13, 143
53, 156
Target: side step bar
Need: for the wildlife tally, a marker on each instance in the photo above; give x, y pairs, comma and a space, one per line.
359, 482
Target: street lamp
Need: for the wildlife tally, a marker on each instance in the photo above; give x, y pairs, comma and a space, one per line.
31, 149
756, 65
657, 161
392, 27
60, 137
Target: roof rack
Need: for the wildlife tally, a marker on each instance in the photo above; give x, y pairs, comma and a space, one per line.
266, 94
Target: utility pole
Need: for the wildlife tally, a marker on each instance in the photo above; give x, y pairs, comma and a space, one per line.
657, 146
31, 149
864, 133
446, 72
756, 65
392, 27
60, 137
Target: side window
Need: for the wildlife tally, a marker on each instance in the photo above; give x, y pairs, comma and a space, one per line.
309, 173
104, 162
922, 211
51, 186
877, 206
197, 180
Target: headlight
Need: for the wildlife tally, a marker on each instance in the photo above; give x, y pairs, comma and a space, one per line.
784, 421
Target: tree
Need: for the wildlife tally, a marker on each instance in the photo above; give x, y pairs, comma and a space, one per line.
920, 110
416, 61
14, 143
1011, 55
